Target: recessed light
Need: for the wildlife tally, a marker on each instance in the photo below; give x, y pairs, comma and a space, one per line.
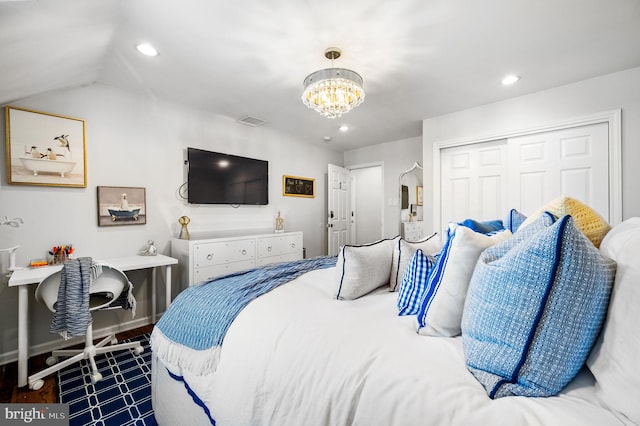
147, 49
327, 139
510, 79
343, 128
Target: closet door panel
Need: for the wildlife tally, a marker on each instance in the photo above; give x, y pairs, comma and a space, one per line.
565, 162
473, 182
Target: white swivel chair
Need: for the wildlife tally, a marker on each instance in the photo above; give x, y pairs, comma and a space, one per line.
104, 291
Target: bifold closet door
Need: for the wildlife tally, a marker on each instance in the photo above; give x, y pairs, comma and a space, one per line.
473, 182
572, 162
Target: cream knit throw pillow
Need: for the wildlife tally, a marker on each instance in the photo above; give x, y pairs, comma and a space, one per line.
585, 218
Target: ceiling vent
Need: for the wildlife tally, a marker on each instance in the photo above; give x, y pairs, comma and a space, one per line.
251, 121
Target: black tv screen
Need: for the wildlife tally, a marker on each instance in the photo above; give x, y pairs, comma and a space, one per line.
216, 178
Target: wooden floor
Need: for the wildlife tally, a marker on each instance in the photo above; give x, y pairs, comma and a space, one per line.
48, 394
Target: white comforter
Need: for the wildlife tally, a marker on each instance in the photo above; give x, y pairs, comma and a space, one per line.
297, 356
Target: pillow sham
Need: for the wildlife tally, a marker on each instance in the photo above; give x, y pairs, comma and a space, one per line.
586, 219
514, 220
441, 309
414, 283
532, 316
404, 250
362, 269
613, 358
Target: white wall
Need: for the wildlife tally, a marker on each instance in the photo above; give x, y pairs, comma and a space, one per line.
609, 92
397, 156
140, 141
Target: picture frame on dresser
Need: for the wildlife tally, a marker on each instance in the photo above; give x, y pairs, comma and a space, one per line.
45, 149
419, 195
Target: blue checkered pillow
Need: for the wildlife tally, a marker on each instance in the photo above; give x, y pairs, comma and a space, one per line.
533, 312
414, 283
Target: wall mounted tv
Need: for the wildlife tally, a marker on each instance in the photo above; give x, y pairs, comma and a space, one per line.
216, 178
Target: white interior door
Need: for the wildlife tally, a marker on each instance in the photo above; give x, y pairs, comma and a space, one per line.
473, 182
339, 214
569, 162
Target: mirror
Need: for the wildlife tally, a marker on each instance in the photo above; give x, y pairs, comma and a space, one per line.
411, 203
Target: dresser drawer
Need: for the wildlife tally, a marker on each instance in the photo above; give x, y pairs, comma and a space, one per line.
216, 253
262, 261
206, 273
277, 246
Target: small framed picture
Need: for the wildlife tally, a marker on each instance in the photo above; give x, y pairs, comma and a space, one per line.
296, 186
45, 149
121, 205
419, 195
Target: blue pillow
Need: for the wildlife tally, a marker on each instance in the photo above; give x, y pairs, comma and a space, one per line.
532, 315
414, 283
486, 227
514, 220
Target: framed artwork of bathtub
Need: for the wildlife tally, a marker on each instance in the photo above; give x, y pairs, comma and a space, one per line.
121, 205
45, 149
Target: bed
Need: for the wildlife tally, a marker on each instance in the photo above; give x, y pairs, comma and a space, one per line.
308, 353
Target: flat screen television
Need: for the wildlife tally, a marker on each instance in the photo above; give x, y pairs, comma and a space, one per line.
217, 178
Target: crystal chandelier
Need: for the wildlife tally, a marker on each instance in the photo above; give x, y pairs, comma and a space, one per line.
333, 91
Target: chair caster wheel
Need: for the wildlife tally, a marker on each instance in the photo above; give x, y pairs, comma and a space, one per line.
37, 385
52, 360
138, 350
95, 378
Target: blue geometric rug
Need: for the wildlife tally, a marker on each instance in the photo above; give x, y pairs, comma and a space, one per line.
122, 397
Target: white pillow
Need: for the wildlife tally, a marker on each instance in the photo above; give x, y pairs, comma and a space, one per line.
403, 251
613, 358
362, 269
441, 310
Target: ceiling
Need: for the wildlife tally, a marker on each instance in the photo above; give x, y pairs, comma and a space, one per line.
418, 58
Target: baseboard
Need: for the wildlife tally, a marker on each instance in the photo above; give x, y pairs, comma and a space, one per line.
41, 348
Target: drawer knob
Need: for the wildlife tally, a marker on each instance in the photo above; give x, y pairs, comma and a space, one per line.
269, 248
244, 251
293, 245
210, 256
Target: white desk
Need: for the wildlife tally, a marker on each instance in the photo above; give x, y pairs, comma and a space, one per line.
22, 278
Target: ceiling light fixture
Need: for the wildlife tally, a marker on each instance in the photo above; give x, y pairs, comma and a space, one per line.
147, 49
343, 128
510, 79
333, 91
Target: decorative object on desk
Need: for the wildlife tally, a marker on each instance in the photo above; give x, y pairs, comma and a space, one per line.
419, 195
60, 254
150, 249
295, 186
45, 149
119, 205
279, 224
184, 232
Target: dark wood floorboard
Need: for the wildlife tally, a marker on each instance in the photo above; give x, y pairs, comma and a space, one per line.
48, 394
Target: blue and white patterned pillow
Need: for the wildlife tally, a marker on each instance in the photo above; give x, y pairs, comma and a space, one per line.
533, 312
403, 253
514, 220
414, 283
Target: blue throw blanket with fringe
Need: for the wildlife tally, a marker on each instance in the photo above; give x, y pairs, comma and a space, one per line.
190, 332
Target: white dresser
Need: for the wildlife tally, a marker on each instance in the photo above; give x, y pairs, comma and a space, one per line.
412, 231
202, 259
